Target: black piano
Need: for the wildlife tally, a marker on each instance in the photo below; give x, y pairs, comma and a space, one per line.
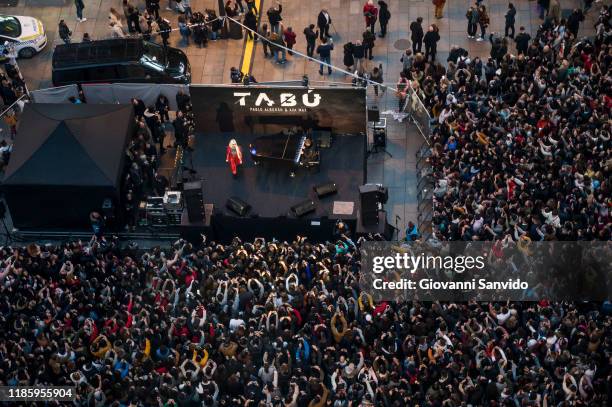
283, 149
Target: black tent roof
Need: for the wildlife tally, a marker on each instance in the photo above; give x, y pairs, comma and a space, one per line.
70, 145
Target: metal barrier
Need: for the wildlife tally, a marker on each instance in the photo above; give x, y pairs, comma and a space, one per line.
419, 115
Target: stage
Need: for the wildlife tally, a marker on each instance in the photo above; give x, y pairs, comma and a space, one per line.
271, 191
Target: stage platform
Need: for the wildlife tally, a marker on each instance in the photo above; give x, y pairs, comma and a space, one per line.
271, 191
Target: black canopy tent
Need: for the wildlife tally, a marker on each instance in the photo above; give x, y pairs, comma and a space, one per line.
66, 160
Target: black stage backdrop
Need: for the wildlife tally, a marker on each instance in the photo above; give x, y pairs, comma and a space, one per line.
267, 110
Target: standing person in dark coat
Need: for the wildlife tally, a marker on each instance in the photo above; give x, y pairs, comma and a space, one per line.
162, 105
323, 22
431, 42
510, 20
180, 129
164, 31
311, 39
132, 19
416, 30
472, 18
152, 7
139, 108
543, 7
359, 55
64, 32
522, 41
349, 60
384, 15
250, 21
573, 21
275, 17
324, 50
483, 22
368, 43
182, 100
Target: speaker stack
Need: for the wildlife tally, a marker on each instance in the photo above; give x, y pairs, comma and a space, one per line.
194, 200
372, 197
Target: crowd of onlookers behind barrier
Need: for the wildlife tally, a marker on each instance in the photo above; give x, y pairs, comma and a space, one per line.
521, 143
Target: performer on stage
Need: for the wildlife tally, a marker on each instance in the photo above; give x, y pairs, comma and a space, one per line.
233, 156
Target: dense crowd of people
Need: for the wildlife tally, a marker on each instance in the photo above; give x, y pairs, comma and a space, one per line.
278, 323
521, 143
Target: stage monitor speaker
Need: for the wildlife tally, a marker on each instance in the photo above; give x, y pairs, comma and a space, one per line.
238, 206
324, 190
373, 114
194, 200
303, 208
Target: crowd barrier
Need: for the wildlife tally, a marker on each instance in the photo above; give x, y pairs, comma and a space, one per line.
419, 115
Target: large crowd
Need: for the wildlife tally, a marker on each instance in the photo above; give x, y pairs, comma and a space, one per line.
520, 148
282, 324
521, 142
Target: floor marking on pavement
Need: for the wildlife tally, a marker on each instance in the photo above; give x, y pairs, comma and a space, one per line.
249, 44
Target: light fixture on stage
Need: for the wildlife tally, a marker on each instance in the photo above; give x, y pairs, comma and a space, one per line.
305, 81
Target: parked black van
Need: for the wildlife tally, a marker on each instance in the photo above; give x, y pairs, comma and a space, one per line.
130, 60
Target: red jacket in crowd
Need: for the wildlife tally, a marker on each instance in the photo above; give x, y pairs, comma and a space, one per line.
370, 11
289, 38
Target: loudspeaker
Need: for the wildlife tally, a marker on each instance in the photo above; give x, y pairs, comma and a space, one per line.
194, 200
237, 206
324, 190
373, 114
303, 208
380, 191
380, 138
369, 218
372, 197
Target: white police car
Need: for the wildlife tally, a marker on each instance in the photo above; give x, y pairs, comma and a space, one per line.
26, 35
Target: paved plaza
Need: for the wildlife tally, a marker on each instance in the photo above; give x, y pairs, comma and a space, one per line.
211, 65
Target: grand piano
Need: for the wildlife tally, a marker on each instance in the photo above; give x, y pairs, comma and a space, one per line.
284, 150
